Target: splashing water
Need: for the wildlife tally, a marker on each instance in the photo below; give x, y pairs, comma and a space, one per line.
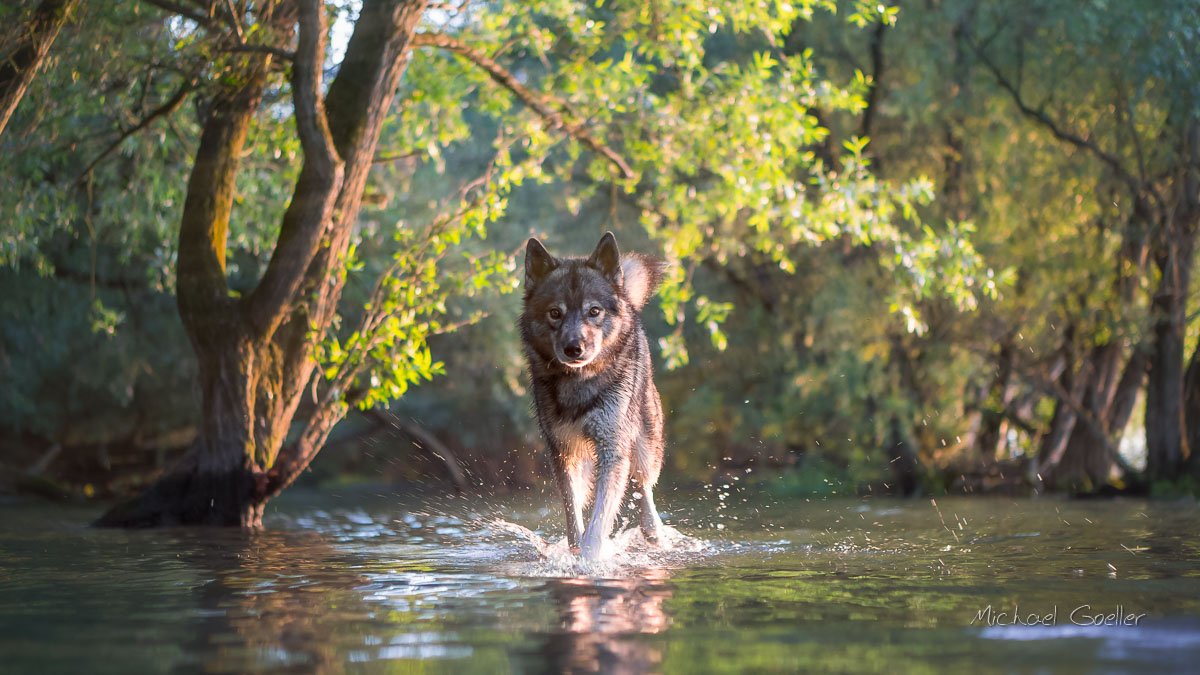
626, 554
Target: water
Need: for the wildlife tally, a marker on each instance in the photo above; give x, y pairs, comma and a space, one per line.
360, 582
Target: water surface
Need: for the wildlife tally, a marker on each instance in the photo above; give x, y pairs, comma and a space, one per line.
366, 582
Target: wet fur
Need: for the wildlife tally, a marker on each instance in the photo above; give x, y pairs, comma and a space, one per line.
602, 418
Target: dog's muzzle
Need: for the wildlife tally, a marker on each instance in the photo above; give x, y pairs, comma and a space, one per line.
572, 355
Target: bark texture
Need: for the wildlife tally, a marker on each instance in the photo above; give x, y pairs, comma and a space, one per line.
1166, 439
254, 352
22, 59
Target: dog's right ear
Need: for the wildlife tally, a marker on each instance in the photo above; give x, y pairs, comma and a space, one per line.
538, 262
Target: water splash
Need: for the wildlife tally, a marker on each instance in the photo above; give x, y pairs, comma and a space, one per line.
628, 553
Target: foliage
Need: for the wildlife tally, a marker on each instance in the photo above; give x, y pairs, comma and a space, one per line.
831, 281
80, 373
744, 188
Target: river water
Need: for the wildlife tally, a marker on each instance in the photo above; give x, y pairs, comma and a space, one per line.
366, 582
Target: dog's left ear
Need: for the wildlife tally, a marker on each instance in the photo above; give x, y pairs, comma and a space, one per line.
607, 259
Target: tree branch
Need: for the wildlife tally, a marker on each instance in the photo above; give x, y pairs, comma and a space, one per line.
213, 24
877, 65
397, 157
1040, 116
186, 12
1054, 388
539, 104
311, 208
21, 63
233, 21
356, 104
1131, 125
168, 108
430, 443
202, 290
260, 49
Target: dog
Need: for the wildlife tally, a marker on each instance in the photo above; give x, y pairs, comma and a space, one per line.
592, 382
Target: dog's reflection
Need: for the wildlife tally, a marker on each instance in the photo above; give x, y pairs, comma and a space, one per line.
603, 623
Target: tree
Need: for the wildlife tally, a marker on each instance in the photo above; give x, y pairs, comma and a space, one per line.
254, 352
259, 350
1148, 151
707, 127
990, 104
21, 58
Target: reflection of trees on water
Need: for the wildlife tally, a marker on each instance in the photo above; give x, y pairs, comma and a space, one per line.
602, 623
272, 601
293, 602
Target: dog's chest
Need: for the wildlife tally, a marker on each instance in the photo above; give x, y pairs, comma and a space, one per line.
572, 442
578, 398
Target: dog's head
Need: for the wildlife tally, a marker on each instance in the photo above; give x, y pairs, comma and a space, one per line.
575, 307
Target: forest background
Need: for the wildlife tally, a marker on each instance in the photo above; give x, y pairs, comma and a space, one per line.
926, 247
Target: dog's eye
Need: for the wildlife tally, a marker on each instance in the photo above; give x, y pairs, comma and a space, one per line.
594, 311
555, 313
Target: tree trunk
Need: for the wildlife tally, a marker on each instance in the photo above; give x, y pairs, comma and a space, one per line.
902, 458
1166, 442
21, 61
357, 104
254, 352
989, 438
1190, 213
216, 482
1164, 388
870, 110
1191, 409
955, 170
1084, 463
1125, 397
1062, 423
903, 450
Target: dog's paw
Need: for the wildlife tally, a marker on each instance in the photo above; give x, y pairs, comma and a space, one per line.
592, 549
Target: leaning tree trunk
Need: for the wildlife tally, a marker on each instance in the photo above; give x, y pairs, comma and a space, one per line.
20, 61
1084, 463
254, 352
1062, 424
1086, 459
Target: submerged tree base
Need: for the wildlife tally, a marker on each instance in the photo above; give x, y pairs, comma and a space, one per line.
182, 498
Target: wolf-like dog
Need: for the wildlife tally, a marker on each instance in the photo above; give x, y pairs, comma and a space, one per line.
593, 390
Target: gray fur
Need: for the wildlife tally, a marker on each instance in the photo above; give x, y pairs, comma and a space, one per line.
593, 387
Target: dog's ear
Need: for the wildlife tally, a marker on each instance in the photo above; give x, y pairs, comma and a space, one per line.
538, 262
607, 259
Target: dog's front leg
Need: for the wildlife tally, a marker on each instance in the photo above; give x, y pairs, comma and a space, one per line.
568, 488
612, 460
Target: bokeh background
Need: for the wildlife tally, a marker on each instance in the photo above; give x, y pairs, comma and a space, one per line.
972, 295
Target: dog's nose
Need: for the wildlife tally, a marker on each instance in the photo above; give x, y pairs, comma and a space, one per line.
573, 349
